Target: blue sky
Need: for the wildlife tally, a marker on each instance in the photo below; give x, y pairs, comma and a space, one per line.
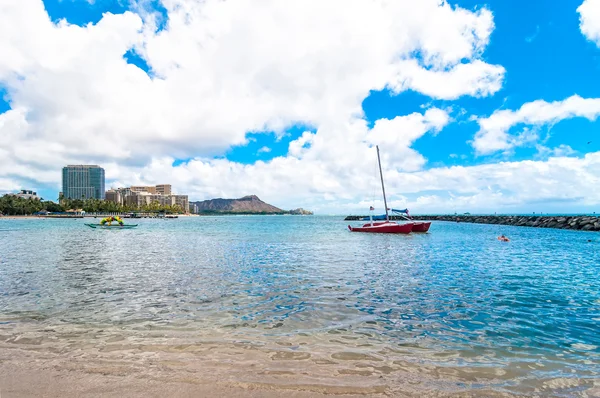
542, 49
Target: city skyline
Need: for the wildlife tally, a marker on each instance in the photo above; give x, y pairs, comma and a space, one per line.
139, 196
477, 106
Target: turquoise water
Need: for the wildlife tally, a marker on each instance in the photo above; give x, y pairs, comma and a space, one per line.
303, 299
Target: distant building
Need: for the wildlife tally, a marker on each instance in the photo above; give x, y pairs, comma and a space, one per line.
83, 182
139, 199
182, 201
124, 192
138, 196
113, 196
25, 194
147, 189
164, 189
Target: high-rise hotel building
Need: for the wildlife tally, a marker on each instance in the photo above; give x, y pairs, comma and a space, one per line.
83, 182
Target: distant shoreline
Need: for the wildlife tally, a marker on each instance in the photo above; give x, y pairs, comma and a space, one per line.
19, 217
250, 214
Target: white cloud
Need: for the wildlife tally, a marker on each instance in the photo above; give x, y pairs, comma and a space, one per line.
589, 17
494, 135
561, 150
264, 149
477, 79
291, 182
224, 68
400, 133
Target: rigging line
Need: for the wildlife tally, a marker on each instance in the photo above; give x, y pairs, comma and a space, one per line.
374, 187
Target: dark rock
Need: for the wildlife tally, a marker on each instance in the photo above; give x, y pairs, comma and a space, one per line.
301, 211
586, 223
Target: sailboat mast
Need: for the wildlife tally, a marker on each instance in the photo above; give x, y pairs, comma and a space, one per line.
387, 217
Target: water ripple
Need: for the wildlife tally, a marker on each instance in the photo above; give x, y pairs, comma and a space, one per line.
457, 305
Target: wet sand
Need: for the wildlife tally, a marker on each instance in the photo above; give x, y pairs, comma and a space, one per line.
44, 379
75, 362
25, 381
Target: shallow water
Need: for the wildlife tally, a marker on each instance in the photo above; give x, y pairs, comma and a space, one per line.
301, 301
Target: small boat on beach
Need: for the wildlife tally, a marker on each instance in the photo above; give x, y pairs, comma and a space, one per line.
387, 226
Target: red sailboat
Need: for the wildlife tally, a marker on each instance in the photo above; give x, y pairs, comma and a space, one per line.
387, 226
419, 226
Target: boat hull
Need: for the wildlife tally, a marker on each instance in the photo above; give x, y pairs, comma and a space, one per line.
117, 226
384, 228
420, 226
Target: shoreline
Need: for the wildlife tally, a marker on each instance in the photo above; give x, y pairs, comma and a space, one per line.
20, 217
42, 363
31, 217
26, 381
153, 217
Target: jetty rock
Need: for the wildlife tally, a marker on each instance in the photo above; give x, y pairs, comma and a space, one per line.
301, 211
582, 222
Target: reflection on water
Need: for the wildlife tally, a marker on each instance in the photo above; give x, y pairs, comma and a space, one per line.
301, 301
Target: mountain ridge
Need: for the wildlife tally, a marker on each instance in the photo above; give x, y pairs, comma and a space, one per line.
249, 204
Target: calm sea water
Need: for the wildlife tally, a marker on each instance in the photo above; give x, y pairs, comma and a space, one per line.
302, 301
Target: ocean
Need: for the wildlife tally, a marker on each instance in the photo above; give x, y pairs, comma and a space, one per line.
300, 303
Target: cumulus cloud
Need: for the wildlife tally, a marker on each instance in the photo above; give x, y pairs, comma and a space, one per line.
290, 182
221, 69
477, 79
494, 133
589, 17
264, 149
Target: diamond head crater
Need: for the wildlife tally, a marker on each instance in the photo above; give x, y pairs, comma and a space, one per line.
249, 204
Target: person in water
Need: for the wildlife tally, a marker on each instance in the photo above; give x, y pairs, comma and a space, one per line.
503, 238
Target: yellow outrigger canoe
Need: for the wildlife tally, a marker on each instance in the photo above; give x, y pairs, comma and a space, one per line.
115, 226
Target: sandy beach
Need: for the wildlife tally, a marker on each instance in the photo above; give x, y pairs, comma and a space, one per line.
25, 381
36, 372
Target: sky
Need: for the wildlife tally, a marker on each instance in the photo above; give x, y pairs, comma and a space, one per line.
478, 106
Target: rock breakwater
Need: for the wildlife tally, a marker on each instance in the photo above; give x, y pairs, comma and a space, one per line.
583, 223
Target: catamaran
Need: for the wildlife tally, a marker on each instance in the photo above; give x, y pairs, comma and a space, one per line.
419, 226
387, 226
